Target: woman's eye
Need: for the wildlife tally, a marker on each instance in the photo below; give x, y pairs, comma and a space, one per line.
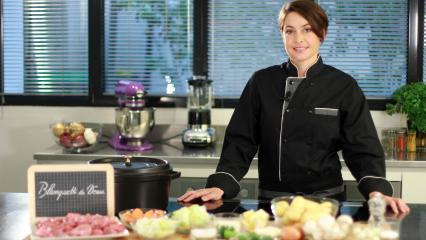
308, 30
288, 31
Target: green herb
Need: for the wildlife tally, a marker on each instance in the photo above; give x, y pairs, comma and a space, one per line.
226, 232
411, 100
252, 236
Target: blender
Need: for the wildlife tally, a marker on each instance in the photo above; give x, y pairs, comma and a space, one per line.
199, 102
132, 119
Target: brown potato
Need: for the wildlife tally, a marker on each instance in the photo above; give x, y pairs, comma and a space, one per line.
76, 129
58, 129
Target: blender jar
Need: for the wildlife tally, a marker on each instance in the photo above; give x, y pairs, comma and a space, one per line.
200, 93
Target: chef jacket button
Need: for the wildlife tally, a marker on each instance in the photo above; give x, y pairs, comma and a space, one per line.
287, 110
311, 83
285, 140
291, 82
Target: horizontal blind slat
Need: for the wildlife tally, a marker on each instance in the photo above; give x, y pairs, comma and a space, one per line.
367, 39
45, 47
146, 41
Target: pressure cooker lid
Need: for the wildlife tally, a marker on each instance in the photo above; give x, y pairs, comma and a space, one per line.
135, 165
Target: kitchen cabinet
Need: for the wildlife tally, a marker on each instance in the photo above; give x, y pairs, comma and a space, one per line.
414, 186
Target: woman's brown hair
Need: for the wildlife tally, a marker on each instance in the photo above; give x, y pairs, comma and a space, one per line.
309, 10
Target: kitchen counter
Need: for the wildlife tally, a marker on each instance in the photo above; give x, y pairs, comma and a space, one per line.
175, 152
195, 164
14, 215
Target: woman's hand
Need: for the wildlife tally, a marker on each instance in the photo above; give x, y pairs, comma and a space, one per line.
396, 204
206, 194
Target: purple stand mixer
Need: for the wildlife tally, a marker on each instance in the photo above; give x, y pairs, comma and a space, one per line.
133, 120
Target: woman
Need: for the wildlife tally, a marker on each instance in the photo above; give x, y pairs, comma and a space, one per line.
298, 115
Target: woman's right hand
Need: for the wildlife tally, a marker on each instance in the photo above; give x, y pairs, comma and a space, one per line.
205, 194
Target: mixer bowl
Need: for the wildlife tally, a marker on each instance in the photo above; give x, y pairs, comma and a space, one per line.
134, 123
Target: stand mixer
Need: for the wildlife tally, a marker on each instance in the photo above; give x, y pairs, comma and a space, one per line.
199, 133
133, 120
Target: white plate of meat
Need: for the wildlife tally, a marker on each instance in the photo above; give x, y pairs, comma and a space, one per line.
78, 226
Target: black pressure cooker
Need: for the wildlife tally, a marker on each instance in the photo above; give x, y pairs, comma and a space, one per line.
140, 182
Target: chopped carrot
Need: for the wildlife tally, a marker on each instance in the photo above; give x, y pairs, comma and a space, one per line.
137, 213
149, 214
128, 216
159, 213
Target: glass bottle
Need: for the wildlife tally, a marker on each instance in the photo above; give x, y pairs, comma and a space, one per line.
411, 141
401, 140
388, 142
421, 142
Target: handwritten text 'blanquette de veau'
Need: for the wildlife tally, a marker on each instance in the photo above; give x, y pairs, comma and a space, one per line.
47, 189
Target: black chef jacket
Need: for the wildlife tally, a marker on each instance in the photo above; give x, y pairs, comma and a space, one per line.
327, 112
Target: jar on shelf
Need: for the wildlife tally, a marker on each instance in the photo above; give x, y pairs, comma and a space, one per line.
401, 140
421, 142
388, 142
411, 156
411, 141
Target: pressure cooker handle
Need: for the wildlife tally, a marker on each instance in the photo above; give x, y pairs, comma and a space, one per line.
175, 174
127, 160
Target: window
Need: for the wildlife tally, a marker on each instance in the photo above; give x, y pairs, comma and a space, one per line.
367, 39
149, 41
243, 37
76, 50
45, 47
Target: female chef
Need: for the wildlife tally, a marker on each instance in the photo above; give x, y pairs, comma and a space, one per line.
297, 116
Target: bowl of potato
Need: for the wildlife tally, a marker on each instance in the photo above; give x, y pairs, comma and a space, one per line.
289, 210
76, 137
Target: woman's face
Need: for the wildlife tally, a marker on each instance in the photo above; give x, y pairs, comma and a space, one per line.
300, 42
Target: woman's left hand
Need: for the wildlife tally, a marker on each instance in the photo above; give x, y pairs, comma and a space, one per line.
397, 205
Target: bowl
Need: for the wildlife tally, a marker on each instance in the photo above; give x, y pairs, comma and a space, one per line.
155, 228
227, 219
76, 137
299, 209
130, 216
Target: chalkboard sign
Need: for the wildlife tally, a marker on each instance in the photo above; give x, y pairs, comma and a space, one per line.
56, 190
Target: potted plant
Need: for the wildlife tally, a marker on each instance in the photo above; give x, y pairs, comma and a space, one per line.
410, 99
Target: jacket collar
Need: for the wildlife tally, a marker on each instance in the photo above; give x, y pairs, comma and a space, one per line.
291, 69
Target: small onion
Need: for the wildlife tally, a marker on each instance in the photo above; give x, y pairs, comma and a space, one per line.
89, 136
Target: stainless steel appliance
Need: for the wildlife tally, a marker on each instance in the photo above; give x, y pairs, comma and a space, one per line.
133, 120
200, 101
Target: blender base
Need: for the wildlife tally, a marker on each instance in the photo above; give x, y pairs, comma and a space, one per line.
119, 143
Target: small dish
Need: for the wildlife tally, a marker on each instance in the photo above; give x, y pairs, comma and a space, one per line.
114, 221
296, 209
77, 137
228, 219
155, 228
130, 216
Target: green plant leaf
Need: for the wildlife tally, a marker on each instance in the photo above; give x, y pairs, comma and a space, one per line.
411, 100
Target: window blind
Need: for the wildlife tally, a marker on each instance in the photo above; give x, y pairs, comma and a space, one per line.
367, 39
45, 47
243, 36
150, 41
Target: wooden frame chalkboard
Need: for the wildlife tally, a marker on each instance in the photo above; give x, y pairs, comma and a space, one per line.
55, 190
